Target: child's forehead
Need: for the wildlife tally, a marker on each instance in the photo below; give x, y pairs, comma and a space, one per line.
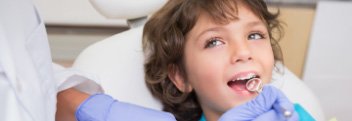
242, 12
243, 18
230, 13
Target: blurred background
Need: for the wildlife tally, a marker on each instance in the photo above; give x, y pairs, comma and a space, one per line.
323, 64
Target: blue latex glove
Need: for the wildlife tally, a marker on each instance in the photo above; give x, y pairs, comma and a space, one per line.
102, 107
269, 105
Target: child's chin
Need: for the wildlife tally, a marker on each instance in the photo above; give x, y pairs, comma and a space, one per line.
243, 98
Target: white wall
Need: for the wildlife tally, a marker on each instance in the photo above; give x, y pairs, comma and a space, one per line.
72, 25
328, 68
73, 12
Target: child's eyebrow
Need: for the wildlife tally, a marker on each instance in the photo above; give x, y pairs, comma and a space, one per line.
255, 23
213, 29
219, 28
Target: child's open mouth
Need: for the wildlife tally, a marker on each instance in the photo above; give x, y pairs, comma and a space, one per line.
240, 84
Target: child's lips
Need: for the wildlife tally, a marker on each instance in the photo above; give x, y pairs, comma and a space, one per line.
239, 81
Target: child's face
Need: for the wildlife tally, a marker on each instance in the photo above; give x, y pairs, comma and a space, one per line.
215, 54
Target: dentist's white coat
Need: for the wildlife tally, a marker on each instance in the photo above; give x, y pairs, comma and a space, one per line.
27, 90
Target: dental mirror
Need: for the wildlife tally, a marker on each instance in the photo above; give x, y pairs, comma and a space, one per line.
254, 85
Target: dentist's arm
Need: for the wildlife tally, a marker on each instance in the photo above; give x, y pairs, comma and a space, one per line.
67, 103
101, 107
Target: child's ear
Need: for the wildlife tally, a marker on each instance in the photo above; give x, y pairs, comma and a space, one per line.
178, 79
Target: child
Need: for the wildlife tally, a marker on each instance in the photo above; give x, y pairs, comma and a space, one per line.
199, 55
197, 48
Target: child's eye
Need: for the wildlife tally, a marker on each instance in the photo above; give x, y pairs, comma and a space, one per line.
213, 42
255, 36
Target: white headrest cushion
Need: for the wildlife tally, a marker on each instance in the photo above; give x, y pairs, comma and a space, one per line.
127, 9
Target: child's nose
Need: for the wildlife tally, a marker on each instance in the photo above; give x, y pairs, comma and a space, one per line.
241, 53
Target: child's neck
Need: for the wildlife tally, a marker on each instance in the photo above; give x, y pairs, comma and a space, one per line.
210, 117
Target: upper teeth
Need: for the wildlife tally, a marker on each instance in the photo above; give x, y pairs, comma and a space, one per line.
249, 76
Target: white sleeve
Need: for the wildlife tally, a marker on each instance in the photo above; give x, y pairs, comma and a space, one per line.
72, 77
28, 92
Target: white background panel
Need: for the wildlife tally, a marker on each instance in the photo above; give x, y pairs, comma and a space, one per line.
329, 60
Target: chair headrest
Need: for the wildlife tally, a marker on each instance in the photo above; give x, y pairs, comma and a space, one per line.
127, 9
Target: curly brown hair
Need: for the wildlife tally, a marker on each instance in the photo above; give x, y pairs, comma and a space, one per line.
164, 39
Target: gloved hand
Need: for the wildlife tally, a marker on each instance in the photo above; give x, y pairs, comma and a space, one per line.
269, 105
101, 107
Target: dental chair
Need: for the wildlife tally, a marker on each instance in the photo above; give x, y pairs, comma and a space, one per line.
118, 60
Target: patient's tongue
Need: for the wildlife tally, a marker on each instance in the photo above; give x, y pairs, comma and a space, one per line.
238, 85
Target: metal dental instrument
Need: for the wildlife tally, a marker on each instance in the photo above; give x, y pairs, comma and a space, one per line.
256, 85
